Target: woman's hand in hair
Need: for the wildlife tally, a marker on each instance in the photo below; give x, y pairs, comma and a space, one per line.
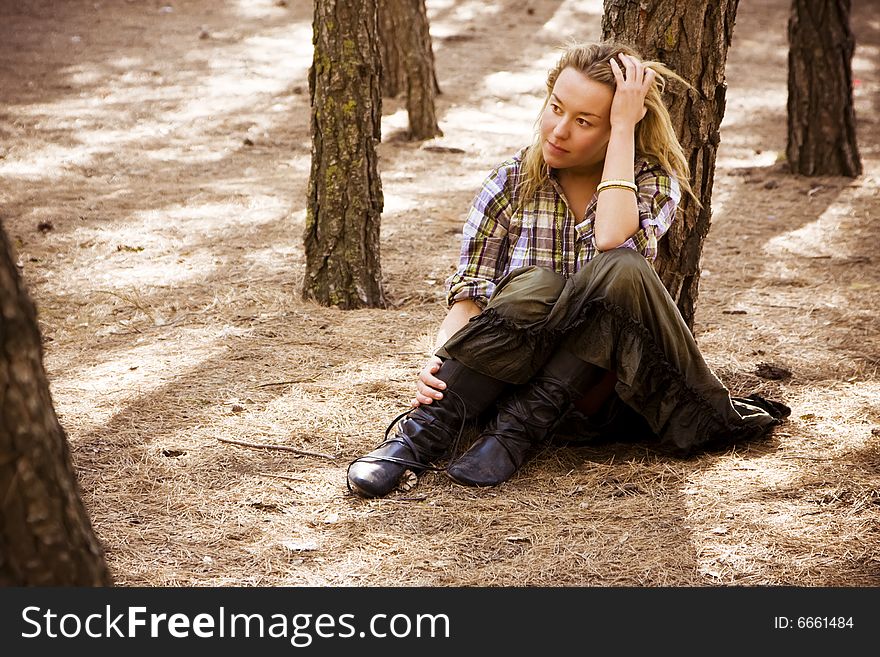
634, 79
428, 386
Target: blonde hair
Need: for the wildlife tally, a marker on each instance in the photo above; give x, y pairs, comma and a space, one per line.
654, 136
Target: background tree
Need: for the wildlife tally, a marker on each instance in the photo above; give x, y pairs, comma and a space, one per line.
345, 193
393, 73
408, 60
693, 39
46, 538
821, 117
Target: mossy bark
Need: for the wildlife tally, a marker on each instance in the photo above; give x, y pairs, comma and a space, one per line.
345, 192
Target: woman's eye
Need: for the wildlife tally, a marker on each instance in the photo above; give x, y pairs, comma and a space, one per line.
583, 122
555, 108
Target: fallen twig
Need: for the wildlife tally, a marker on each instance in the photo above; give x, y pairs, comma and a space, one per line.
280, 476
284, 383
283, 448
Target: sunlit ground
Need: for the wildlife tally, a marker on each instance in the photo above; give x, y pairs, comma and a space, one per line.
170, 177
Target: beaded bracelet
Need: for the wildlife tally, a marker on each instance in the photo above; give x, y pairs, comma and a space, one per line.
618, 184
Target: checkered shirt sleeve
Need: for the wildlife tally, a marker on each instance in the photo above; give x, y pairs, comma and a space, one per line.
659, 195
484, 243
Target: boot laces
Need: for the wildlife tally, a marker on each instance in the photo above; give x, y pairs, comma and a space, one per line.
400, 437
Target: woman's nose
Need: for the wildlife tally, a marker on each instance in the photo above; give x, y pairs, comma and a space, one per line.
560, 130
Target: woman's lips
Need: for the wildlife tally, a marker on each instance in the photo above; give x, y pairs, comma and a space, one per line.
556, 149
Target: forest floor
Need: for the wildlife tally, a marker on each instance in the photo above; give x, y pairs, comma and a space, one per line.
154, 157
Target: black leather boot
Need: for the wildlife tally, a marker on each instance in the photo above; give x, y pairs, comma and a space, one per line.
524, 419
426, 433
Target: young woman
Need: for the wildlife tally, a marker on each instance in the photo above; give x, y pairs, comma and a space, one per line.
555, 310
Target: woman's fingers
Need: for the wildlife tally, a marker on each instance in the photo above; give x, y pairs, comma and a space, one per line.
420, 399
428, 372
634, 70
425, 394
634, 80
428, 386
615, 68
631, 68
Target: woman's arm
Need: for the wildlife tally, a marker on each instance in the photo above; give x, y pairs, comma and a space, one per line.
482, 261
459, 315
428, 386
617, 211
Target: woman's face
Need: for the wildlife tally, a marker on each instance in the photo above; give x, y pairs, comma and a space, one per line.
575, 126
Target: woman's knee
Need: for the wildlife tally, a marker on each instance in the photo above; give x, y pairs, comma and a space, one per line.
625, 268
625, 258
527, 294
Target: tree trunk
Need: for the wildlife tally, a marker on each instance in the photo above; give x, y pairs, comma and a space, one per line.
821, 117
345, 192
692, 38
413, 56
393, 72
420, 79
46, 538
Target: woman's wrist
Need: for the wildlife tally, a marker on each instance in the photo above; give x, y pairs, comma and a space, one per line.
623, 128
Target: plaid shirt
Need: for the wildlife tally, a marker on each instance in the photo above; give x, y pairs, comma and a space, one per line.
502, 234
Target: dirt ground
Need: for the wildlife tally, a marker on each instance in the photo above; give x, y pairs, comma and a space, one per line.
153, 164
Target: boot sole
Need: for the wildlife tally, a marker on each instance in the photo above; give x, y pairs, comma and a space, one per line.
472, 484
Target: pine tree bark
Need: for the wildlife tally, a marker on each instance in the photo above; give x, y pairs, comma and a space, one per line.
345, 192
46, 537
393, 74
420, 79
821, 116
693, 39
405, 22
